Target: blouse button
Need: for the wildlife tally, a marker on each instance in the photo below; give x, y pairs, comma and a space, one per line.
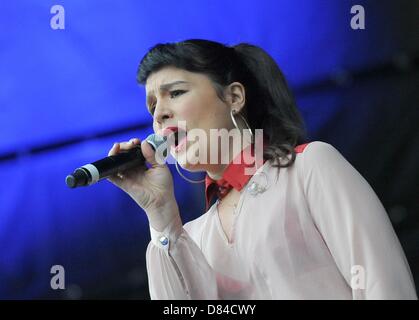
164, 240
253, 189
256, 188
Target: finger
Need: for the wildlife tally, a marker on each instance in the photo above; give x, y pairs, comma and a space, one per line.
114, 150
129, 144
149, 154
115, 179
119, 178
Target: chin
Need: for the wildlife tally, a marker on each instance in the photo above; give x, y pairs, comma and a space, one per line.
184, 164
191, 167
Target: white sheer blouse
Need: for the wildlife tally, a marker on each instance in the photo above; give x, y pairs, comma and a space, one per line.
318, 231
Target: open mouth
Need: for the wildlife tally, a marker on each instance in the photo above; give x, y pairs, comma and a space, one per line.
179, 138
176, 137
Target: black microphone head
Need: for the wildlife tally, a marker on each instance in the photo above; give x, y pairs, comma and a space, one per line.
70, 181
77, 179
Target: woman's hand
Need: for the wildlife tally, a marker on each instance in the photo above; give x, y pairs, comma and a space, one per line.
152, 189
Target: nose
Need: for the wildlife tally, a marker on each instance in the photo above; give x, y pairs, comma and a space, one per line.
161, 114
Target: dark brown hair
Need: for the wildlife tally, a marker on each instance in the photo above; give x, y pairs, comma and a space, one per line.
269, 103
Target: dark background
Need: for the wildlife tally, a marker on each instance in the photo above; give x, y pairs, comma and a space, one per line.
67, 95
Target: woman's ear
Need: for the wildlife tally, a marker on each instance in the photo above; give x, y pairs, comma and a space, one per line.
236, 96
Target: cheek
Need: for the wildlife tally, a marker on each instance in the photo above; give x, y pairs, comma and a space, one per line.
214, 116
188, 111
193, 111
155, 126
204, 111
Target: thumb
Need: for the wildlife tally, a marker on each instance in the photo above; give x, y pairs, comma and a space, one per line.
150, 155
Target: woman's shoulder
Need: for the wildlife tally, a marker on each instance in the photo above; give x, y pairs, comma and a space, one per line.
311, 152
317, 151
315, 147
310, 156
323, 158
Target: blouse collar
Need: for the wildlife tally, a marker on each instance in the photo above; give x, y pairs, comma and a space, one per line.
235, 175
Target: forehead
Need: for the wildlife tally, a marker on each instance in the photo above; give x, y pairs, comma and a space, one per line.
169, 75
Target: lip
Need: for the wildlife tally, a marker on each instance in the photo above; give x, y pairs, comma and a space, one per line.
168, 131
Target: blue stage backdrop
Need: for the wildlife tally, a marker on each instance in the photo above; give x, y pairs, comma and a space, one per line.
67, 94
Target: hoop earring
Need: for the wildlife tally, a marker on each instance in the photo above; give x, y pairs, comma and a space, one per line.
187, 179
233, 112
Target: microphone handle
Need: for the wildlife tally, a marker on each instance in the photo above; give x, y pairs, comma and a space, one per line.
129, 159
101, 169
98, 170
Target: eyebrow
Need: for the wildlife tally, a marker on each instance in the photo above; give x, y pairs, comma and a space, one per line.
165, 87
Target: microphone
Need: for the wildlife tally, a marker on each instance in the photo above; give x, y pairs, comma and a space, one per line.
101, 169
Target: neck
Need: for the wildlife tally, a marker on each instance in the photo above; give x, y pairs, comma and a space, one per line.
216, 171
216, 174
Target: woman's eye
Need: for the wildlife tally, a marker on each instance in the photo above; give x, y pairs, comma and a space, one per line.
175, 93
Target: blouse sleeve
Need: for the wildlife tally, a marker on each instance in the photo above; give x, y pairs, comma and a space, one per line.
355, 226
176, 267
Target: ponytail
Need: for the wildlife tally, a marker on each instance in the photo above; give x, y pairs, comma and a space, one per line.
273, 108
